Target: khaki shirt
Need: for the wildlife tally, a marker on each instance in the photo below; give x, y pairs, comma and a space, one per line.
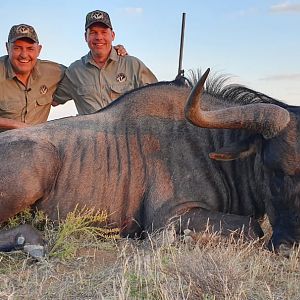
92, 87
29, 104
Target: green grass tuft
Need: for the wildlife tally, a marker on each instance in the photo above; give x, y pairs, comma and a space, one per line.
78, 224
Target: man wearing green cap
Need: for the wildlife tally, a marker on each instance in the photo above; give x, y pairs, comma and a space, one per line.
27, 83
101, 76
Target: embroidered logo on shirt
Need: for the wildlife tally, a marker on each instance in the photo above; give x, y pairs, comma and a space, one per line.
121, 77
43, 89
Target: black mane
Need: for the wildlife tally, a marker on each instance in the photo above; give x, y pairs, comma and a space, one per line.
242, 95
217, 86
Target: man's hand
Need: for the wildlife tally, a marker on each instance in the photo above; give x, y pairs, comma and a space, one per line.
54, 103
121, 51
11, 124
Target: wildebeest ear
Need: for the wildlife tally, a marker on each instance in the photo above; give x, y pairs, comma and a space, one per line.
238, 150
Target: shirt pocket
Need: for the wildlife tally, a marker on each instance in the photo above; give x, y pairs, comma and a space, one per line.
10, 106
88, 93
116, 90
44, 101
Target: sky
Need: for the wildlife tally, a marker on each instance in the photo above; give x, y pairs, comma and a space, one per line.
256, 42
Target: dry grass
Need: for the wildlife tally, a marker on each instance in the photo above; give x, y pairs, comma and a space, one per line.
161, 267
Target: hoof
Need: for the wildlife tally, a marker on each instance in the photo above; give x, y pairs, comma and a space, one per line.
35, 251
23, 237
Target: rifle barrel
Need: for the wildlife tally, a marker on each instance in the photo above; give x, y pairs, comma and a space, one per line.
181, 44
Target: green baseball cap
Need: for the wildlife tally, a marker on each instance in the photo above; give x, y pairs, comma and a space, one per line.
22, 31
97, 16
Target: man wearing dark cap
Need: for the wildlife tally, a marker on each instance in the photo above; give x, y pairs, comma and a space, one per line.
27, 83
101, 76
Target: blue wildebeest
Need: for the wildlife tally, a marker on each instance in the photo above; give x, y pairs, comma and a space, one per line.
147, 160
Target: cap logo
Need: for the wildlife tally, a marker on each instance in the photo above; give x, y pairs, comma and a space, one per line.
22, 29
43, 90
97, 15
121, 77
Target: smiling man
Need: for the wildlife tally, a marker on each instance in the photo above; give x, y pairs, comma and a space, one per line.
27, 83
101, 76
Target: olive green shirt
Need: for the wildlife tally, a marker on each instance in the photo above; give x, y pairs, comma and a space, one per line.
29, 104
93, 88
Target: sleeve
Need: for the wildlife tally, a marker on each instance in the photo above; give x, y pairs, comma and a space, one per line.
142, 74
63, 92
145, 75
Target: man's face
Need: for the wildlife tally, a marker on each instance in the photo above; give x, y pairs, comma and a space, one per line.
99, 39
23, 54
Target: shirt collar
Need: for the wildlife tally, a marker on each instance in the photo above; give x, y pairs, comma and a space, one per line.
88, 59
113, 54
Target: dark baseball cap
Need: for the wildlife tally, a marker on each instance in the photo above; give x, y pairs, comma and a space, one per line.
22, 31
97, 16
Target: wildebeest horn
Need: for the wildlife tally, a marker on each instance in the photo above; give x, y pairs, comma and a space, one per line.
267, 119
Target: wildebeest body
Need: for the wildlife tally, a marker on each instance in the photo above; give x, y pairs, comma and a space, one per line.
140, 160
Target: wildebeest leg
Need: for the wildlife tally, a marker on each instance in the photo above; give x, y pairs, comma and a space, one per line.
23, 237
198, 219
28, 172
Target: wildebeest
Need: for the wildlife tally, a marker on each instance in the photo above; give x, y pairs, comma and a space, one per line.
147, 161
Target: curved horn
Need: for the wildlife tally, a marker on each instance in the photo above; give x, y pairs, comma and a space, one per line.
267, 119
